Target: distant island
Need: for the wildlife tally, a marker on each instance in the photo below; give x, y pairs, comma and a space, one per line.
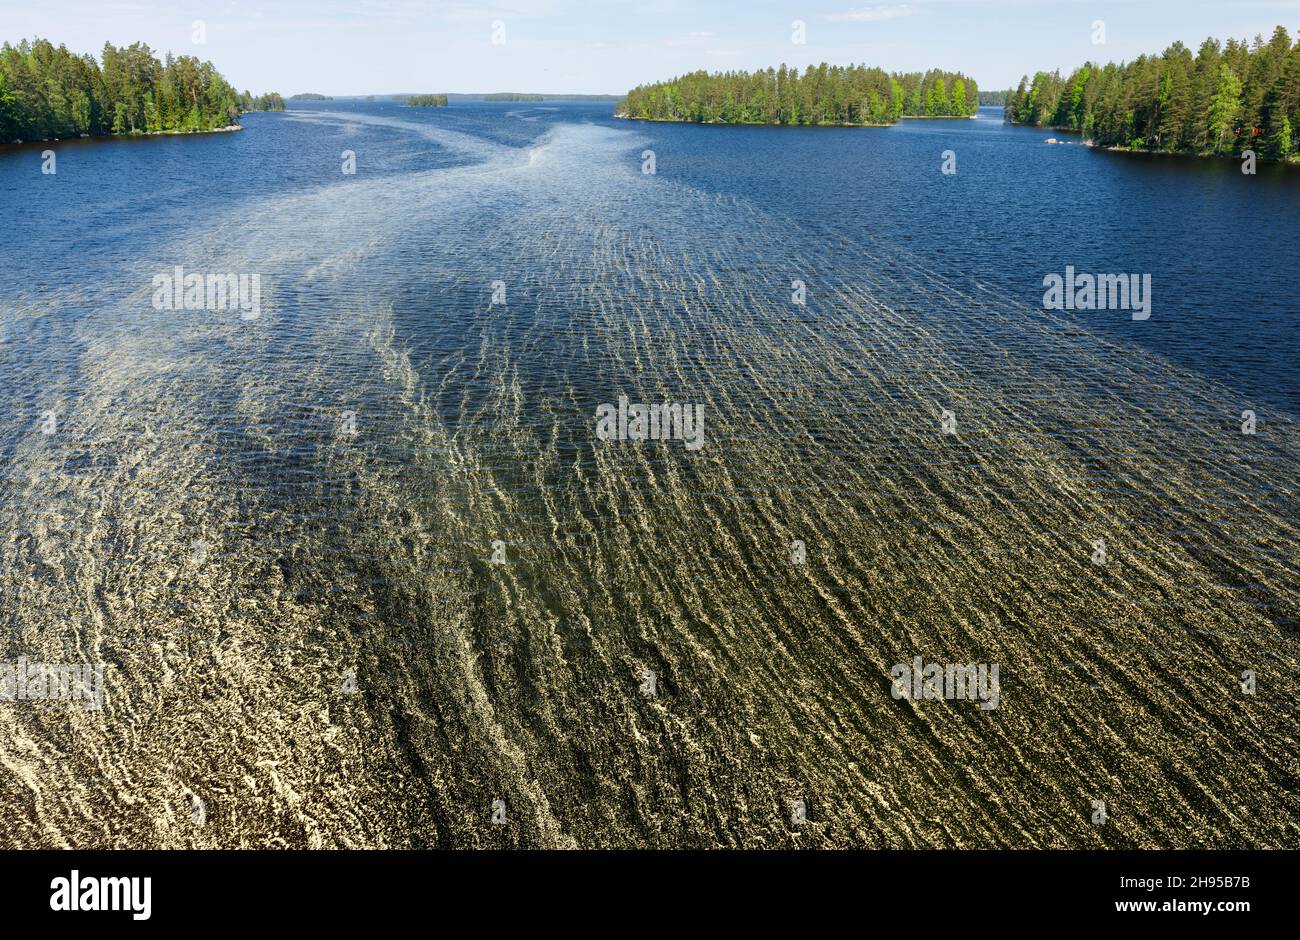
425, 101
310, 96
271, 101
49, 93
855, 95
530, 96
998, 98
1220, 102
502, 96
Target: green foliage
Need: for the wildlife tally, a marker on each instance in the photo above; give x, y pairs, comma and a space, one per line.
825, 94
939, 101
1281, 144
958, 104
271, 101
427, 101
50, 93
1225, 106
1223, 100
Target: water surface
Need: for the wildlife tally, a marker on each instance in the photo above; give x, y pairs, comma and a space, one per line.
329, 554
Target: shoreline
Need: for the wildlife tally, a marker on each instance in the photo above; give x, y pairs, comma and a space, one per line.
1119, 148
229, 128
905, 117
1116, 148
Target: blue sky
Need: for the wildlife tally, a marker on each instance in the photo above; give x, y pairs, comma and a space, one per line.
606, 46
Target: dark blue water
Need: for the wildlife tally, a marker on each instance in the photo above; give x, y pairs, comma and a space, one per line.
1221, 246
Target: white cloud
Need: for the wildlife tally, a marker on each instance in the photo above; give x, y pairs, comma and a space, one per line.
875, 14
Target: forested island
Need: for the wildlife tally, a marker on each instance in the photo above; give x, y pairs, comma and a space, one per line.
998, 98
48, 93
310, 96
826, 94
1221, 101
425, 101
271, 101
512, 96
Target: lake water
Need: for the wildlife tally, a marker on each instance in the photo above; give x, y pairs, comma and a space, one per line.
359, 566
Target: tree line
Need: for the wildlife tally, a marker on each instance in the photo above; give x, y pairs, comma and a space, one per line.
1225, 99
271, 101
824, 94
48, 93
427, 101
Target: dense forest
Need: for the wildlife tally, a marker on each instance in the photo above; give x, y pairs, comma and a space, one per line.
48, 93
426, 101
271, 101
994, 97
310, 96
512, 96
825, 94
1223, 100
